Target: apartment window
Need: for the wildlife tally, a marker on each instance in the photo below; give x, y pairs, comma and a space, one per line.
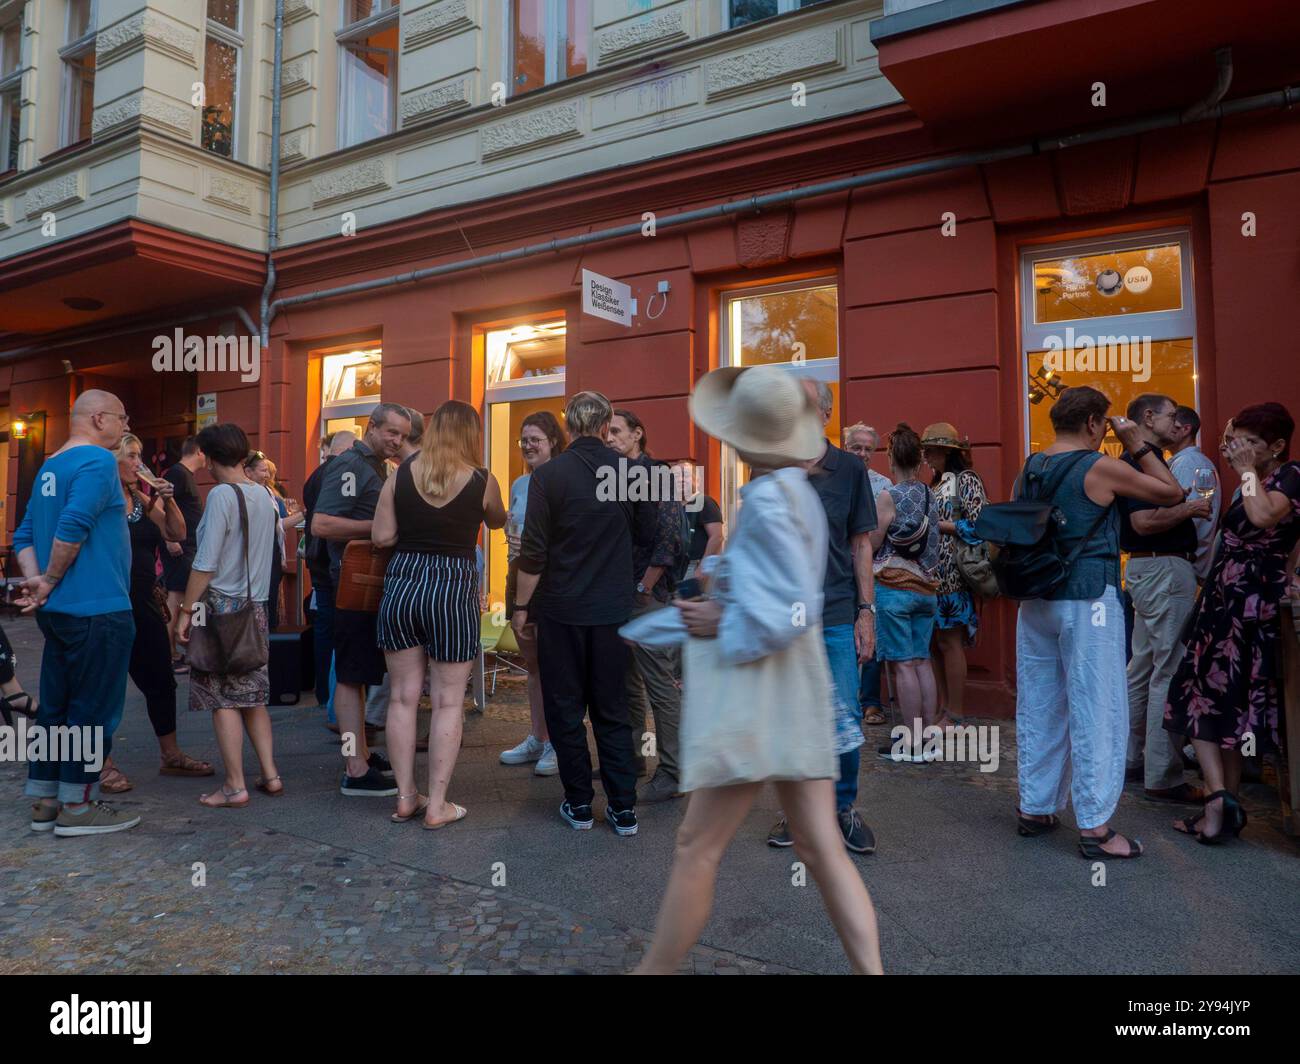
78, 55
743, 12
1113, 313
11, 39
795, 326
367, 70
222, 49
549, 42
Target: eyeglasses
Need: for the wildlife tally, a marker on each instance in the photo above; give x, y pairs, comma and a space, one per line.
525, 442
126, 420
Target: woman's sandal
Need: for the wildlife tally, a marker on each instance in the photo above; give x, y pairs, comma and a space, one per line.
264, 785
1090, 846
27, 709
114, 781
461, 813
185, 765
1234, 819
1030, 828
226, 802
874, 716
1187, 825
419, 809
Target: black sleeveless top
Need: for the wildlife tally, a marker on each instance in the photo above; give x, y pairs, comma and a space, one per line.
146, 541
451, 529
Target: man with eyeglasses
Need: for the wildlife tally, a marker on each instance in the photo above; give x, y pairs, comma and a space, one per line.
75, 554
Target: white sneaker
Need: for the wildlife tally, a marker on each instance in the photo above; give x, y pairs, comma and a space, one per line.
547, 765
529, 750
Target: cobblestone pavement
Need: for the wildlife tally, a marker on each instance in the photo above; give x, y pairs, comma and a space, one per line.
312, 882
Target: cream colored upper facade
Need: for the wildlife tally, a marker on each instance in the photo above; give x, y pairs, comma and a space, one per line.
663, 76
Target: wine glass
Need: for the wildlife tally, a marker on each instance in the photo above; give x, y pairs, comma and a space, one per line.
1204, 483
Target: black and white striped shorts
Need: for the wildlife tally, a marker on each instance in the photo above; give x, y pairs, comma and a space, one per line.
431, 601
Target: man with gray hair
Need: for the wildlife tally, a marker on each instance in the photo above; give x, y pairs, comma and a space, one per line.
344, 511
575, 565
315, 552
862, 440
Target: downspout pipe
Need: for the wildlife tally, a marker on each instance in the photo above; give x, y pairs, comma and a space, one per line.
1285, 97
272, 236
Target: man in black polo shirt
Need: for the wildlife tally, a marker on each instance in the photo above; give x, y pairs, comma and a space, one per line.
848, 608
316, 554
575, 584
344, 511
1161, 581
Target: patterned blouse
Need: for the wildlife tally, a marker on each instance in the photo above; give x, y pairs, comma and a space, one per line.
970, 501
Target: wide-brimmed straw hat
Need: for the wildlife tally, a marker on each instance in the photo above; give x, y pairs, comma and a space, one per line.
762, 411
944, 434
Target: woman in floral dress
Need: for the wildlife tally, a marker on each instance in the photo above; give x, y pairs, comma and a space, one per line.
1226, 692
960, 494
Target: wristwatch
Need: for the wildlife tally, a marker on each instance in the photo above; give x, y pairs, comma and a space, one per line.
1141, 451
640, 588
518, 607
870, 607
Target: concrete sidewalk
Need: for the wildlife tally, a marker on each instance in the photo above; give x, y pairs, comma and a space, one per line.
316, 882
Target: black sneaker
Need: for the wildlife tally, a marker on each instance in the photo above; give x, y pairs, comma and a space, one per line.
857, 836
380, 764
623, 821
578, 816
371, 785
780, 835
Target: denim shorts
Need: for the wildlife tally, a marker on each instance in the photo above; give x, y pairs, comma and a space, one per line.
904, 623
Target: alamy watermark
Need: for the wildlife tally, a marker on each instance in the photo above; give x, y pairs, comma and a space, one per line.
954, 742
634, 482
180, 353
1099, 354
62, 742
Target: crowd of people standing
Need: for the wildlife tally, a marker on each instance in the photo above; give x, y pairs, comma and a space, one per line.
631, 608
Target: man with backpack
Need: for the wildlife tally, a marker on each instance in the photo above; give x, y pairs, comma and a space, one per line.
1071, 691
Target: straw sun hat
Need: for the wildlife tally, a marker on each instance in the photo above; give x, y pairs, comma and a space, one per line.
944, 434
762, 411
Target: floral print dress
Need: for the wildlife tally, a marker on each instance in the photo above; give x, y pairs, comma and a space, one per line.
956, 603
1227, 684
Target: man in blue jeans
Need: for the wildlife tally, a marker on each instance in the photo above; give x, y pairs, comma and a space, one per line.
75, 553
848, 609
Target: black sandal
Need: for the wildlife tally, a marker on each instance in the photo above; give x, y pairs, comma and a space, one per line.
1031, 828
1090, 846
27, 710
1234, 819
1188, 824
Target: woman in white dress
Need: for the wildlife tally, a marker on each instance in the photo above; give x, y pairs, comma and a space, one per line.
757, 699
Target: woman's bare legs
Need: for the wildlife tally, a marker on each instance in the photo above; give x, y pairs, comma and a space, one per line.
227, 722
536, 711
257, 722
447, 681
810, 811
713, 816
1222, 771
406, 684
950, 669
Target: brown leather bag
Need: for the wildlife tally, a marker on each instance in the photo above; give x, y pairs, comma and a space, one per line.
361, 576
231, 643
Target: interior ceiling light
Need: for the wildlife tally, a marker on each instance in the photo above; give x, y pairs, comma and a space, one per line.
83, 303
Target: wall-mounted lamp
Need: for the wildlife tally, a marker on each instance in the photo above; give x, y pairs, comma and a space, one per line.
18, 429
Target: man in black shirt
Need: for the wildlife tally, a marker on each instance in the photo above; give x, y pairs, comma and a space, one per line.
575, 583
1161, 581
178, 557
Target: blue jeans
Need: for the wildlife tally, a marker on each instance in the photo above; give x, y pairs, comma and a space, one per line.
842, 653
869, 689
83, 685
323, 637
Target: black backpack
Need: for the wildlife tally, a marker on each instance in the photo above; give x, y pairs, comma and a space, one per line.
1030, 562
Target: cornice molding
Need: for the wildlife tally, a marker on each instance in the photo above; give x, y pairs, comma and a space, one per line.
150, 29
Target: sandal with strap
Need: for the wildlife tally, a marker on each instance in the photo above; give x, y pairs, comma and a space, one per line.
419, 809
1090, 846
114, 781
264, 785
873, 715
461, 813
1234, 819
226, 795
185, 765
27, 709
1187, 825
1031, 828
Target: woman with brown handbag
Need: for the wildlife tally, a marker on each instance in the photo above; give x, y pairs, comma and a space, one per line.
228, 585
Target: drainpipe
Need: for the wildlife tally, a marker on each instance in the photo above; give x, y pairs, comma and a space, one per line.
1211, 107
1223, 60
272, 236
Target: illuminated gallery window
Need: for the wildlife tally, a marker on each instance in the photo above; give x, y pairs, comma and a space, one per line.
523, 372
792, 325
1116, 314
350, 387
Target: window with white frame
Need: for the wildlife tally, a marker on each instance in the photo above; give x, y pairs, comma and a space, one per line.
1113, 313
78, 55
11, 47
794, 326
549, 41
743, 12
351, 382
368, 44
223, 48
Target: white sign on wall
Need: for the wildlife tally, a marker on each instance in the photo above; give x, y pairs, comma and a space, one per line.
206, 409
603, 297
